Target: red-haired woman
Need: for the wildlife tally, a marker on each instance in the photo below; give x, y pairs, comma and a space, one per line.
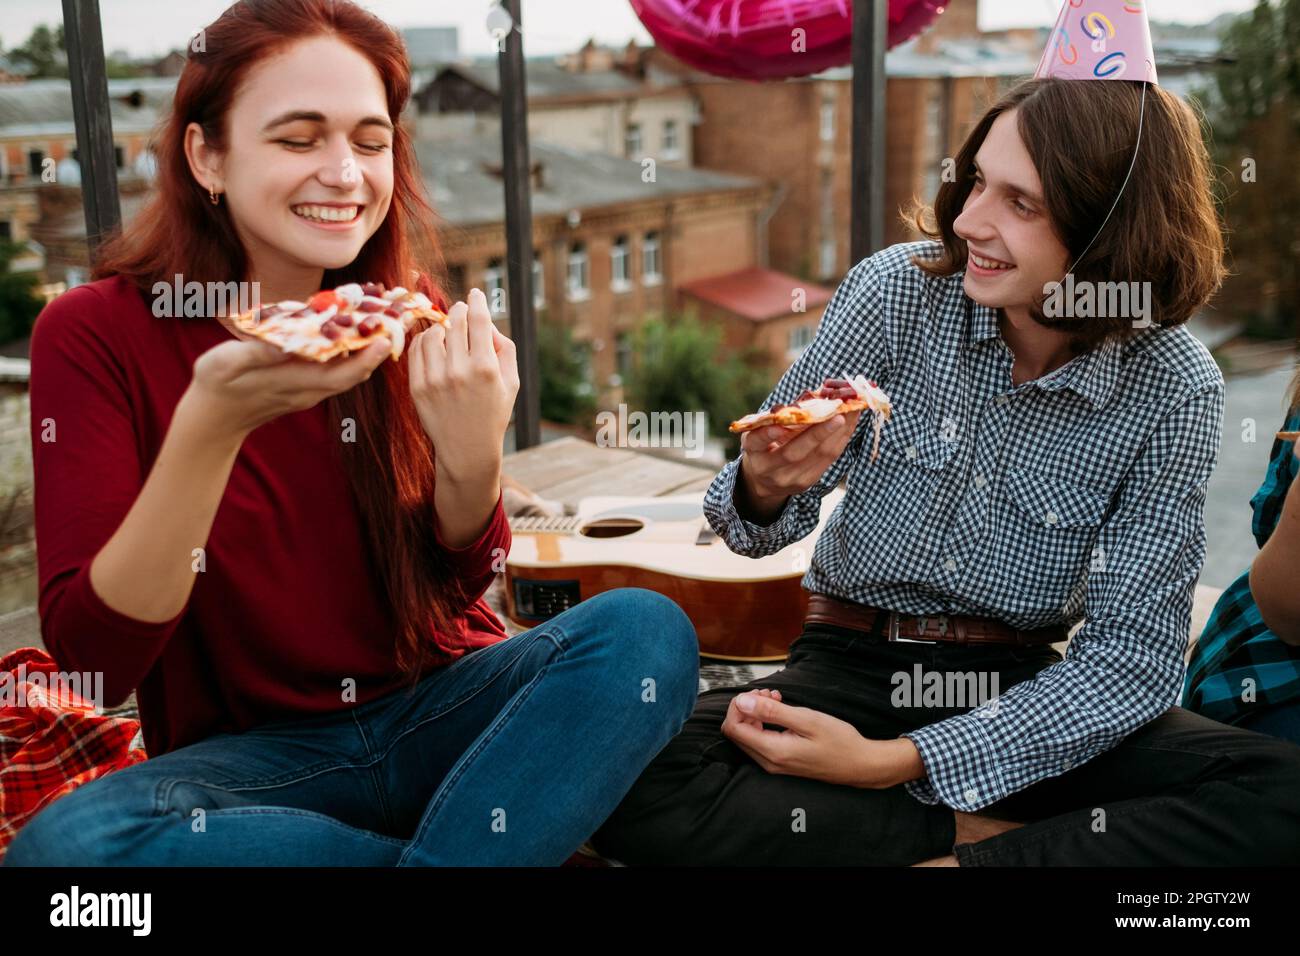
287, 560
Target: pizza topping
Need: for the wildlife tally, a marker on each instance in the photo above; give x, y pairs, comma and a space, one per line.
372, 305
350, 293
330, 330
369, 325
323, 300
344, 319
371, 288
393, 295
390, 311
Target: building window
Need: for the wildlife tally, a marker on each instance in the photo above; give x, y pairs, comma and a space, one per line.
828, 121
579, 284
801, 337
620, 265
4, 165
539, 281
651, 268
632, 141
35, 157
119, 157
494, 287
672, 141
6, 230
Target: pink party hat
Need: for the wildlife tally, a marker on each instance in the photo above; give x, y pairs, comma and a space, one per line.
1099, 40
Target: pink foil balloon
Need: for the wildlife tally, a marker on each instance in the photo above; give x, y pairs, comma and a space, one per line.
760, 39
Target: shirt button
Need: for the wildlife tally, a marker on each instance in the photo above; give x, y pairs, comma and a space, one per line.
980, 481
1066, 764
911, 451
1050, 517
950, 565
970, 795
1002, 399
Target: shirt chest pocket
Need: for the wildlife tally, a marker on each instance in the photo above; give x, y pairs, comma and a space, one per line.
899, 487
1051, 523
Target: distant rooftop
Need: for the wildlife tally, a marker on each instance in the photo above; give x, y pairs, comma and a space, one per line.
41, 107
756, 294
464, 181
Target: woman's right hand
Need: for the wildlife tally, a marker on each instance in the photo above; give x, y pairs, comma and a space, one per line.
779, 461
242, 384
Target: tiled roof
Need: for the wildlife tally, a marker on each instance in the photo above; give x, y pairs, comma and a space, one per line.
757, 294
465, 188
44, 107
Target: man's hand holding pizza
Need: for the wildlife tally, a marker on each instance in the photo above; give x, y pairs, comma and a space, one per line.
778, 461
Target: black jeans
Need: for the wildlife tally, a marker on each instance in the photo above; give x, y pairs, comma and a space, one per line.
1181, 790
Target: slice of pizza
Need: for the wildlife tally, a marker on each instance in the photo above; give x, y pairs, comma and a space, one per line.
338, 321
837, 396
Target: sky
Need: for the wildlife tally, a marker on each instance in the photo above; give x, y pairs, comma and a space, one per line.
152, 27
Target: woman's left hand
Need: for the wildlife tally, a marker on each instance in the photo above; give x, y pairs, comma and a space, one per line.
464, 379
814, 745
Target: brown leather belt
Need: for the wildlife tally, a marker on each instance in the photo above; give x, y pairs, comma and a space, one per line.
953, 628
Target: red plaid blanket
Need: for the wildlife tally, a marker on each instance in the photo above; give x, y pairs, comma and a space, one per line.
51, 740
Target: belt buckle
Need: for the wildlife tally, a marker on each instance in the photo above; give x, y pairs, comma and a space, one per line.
893, 628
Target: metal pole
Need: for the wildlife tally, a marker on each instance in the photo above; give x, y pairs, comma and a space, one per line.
93, 119
519, 230
867, 177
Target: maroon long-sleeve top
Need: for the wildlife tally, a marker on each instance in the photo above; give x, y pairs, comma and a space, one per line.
286, 609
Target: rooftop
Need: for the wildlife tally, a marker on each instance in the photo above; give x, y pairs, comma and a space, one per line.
464, 180
756, 294
40, 107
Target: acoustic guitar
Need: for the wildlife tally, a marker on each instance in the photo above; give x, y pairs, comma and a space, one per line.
743, 609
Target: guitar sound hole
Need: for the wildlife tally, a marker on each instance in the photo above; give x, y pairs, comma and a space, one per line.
611, 528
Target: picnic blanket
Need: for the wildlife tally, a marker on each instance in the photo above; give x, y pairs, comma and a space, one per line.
51, 739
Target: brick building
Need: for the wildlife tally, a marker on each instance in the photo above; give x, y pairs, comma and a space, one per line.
617, 102
611, 249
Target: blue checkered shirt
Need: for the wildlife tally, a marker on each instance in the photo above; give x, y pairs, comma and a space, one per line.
1079, 494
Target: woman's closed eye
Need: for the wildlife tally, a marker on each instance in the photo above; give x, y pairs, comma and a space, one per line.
303, 144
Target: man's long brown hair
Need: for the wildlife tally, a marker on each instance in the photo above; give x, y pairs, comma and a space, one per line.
1165, 229
391, 465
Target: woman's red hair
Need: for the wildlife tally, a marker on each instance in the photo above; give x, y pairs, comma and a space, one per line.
391, 464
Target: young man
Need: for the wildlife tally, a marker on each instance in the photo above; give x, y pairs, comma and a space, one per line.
1042, 465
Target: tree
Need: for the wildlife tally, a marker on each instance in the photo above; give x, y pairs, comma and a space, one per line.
1254, 108
45, 51
19, 304
566, 394
680, 366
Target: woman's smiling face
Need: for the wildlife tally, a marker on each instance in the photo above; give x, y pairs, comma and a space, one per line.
308, 173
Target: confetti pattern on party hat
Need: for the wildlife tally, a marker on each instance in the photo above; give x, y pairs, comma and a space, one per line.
1099, 40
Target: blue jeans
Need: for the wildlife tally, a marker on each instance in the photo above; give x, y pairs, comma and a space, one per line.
512, 755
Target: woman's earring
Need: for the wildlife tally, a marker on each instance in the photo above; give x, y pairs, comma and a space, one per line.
212, 194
